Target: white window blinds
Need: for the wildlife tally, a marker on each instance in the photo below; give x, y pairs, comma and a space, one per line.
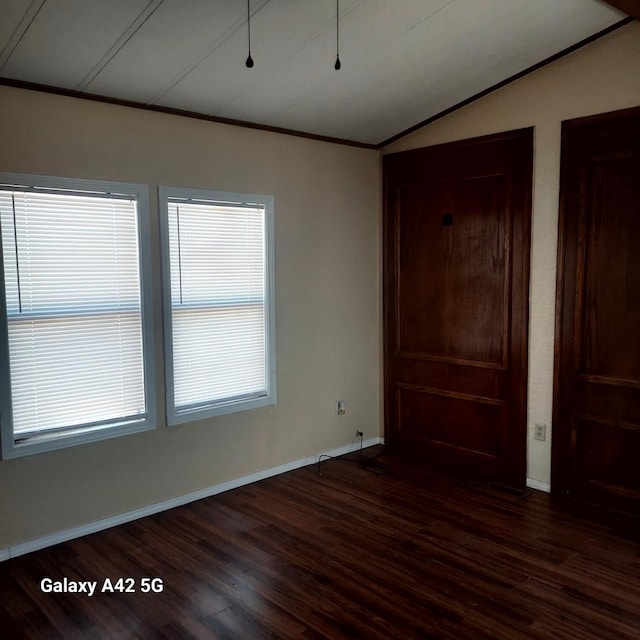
219, 311
73, 310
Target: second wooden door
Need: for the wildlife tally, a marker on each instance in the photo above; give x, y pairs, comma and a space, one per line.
596, 430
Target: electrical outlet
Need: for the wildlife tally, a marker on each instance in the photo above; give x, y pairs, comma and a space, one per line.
540, 432
341, 407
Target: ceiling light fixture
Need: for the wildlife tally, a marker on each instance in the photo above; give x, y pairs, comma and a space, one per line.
249, 61
337, 64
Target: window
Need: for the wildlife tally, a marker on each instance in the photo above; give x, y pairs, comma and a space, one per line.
218, 302
76, 350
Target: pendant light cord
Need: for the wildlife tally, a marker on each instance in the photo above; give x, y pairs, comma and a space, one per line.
337, 64
249, 61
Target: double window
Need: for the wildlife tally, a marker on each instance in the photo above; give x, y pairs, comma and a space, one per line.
76, 328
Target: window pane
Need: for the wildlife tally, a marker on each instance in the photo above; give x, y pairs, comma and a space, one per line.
74, 252
219, 354
74, 371
72, 282
220, 255
218, 308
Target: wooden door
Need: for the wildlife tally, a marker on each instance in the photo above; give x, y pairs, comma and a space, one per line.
456, 238
596, 427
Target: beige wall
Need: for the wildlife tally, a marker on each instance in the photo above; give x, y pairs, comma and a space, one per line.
603, 76
327, 303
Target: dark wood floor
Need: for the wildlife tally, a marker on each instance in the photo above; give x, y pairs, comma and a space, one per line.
349, 554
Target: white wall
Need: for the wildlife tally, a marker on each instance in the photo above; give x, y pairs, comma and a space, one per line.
603, 76
327, 303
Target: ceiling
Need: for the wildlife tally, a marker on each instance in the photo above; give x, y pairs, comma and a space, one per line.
403, 61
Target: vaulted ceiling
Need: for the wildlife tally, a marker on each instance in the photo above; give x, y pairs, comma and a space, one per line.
403, 61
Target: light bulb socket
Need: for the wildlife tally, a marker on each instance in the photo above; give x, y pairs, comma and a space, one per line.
338, 64
249, 61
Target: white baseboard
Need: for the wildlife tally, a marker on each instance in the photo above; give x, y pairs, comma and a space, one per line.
107, 523
537, 484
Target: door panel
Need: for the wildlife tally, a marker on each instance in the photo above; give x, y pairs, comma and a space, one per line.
465, 261
609, 281
457, 220
460, 421
596, 442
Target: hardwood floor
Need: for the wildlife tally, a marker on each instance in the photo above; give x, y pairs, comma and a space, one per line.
348, 554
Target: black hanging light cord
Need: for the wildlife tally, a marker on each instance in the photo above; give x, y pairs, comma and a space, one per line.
249, 61
337, 64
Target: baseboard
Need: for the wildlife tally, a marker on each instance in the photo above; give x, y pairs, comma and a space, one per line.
129, 516
537, 484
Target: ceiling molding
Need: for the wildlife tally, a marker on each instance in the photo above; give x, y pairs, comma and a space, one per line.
630, 7
70, 93
507, 81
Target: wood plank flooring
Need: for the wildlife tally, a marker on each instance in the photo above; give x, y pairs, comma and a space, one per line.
346, 554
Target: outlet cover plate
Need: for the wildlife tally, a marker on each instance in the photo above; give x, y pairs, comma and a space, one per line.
540, 432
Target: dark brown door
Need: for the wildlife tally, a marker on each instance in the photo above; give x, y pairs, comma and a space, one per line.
457, 236
596, 434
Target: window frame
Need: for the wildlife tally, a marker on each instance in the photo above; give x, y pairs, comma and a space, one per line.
173, 415
79, 435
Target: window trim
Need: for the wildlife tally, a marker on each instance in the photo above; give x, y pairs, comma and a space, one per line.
81, 435
175, 417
